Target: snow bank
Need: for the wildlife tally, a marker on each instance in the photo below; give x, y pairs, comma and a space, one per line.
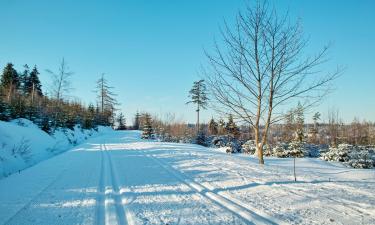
23, 144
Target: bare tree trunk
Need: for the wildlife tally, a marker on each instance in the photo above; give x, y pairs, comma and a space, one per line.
259, 67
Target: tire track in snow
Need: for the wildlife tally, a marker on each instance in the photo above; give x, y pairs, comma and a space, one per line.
123, 216
232, 205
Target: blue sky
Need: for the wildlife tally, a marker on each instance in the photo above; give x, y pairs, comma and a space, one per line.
151, 51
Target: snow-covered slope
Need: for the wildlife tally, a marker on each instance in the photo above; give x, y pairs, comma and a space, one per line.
117, 178
23, 144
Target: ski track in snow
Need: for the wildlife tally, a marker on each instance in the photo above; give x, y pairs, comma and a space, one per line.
119, 179
227, 202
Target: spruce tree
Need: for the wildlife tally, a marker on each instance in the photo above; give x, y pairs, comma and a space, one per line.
300, 122
9, 82
121, 122
213, 127
4, 111
137, 117
198, 95
148, 131
232, 128
23, 79
33, 86
221, 127
89, 118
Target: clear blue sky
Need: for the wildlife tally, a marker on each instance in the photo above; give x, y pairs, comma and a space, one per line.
150, 51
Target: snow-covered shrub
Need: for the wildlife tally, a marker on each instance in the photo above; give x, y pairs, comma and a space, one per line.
280, 151
339, 154
311, 150
218, 141
267, 150
296, 149
293, 149
233, 146
249, 147
354, 156
201, 139
22, 148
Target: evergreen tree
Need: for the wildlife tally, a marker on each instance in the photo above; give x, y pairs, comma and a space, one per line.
300, 122
33, 86
121, 122
221, 127
23, 79
4, 111
18, 107
137, 117
89, 118
316, 118
9, 81
213, 127
232, 128
198, 95
148, 131
289, 128
201, 138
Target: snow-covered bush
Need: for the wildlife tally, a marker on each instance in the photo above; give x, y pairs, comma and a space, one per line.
201, 139
218, 141
233, 146
296, 149
280, 151
249, 147
354, 156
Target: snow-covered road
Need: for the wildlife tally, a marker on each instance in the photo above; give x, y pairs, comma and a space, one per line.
119, 179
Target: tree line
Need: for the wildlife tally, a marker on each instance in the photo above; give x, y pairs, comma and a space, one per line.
22, 96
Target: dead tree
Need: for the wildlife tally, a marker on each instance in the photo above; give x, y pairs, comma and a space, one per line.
61, 85
260, 66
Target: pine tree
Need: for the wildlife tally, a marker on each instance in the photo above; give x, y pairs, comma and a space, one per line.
198, 95
289, 128
23, 79
232, 128
9, 81
4, 111
148, 131
33, 86
300, 122
121, 122
221, 127
201, 138
89, 118
137, 117
213, 127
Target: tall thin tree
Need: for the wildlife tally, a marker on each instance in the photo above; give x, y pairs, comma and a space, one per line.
198, 95
106, 101
61, 85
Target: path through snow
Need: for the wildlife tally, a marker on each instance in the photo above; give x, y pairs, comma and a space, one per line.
119, 179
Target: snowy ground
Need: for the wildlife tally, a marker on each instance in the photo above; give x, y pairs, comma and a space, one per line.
119, 179
23, 144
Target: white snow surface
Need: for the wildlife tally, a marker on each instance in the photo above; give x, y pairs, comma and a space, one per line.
117, 178
23, 144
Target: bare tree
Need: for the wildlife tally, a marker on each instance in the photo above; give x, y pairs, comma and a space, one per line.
106, 101
61, 85
260, 66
